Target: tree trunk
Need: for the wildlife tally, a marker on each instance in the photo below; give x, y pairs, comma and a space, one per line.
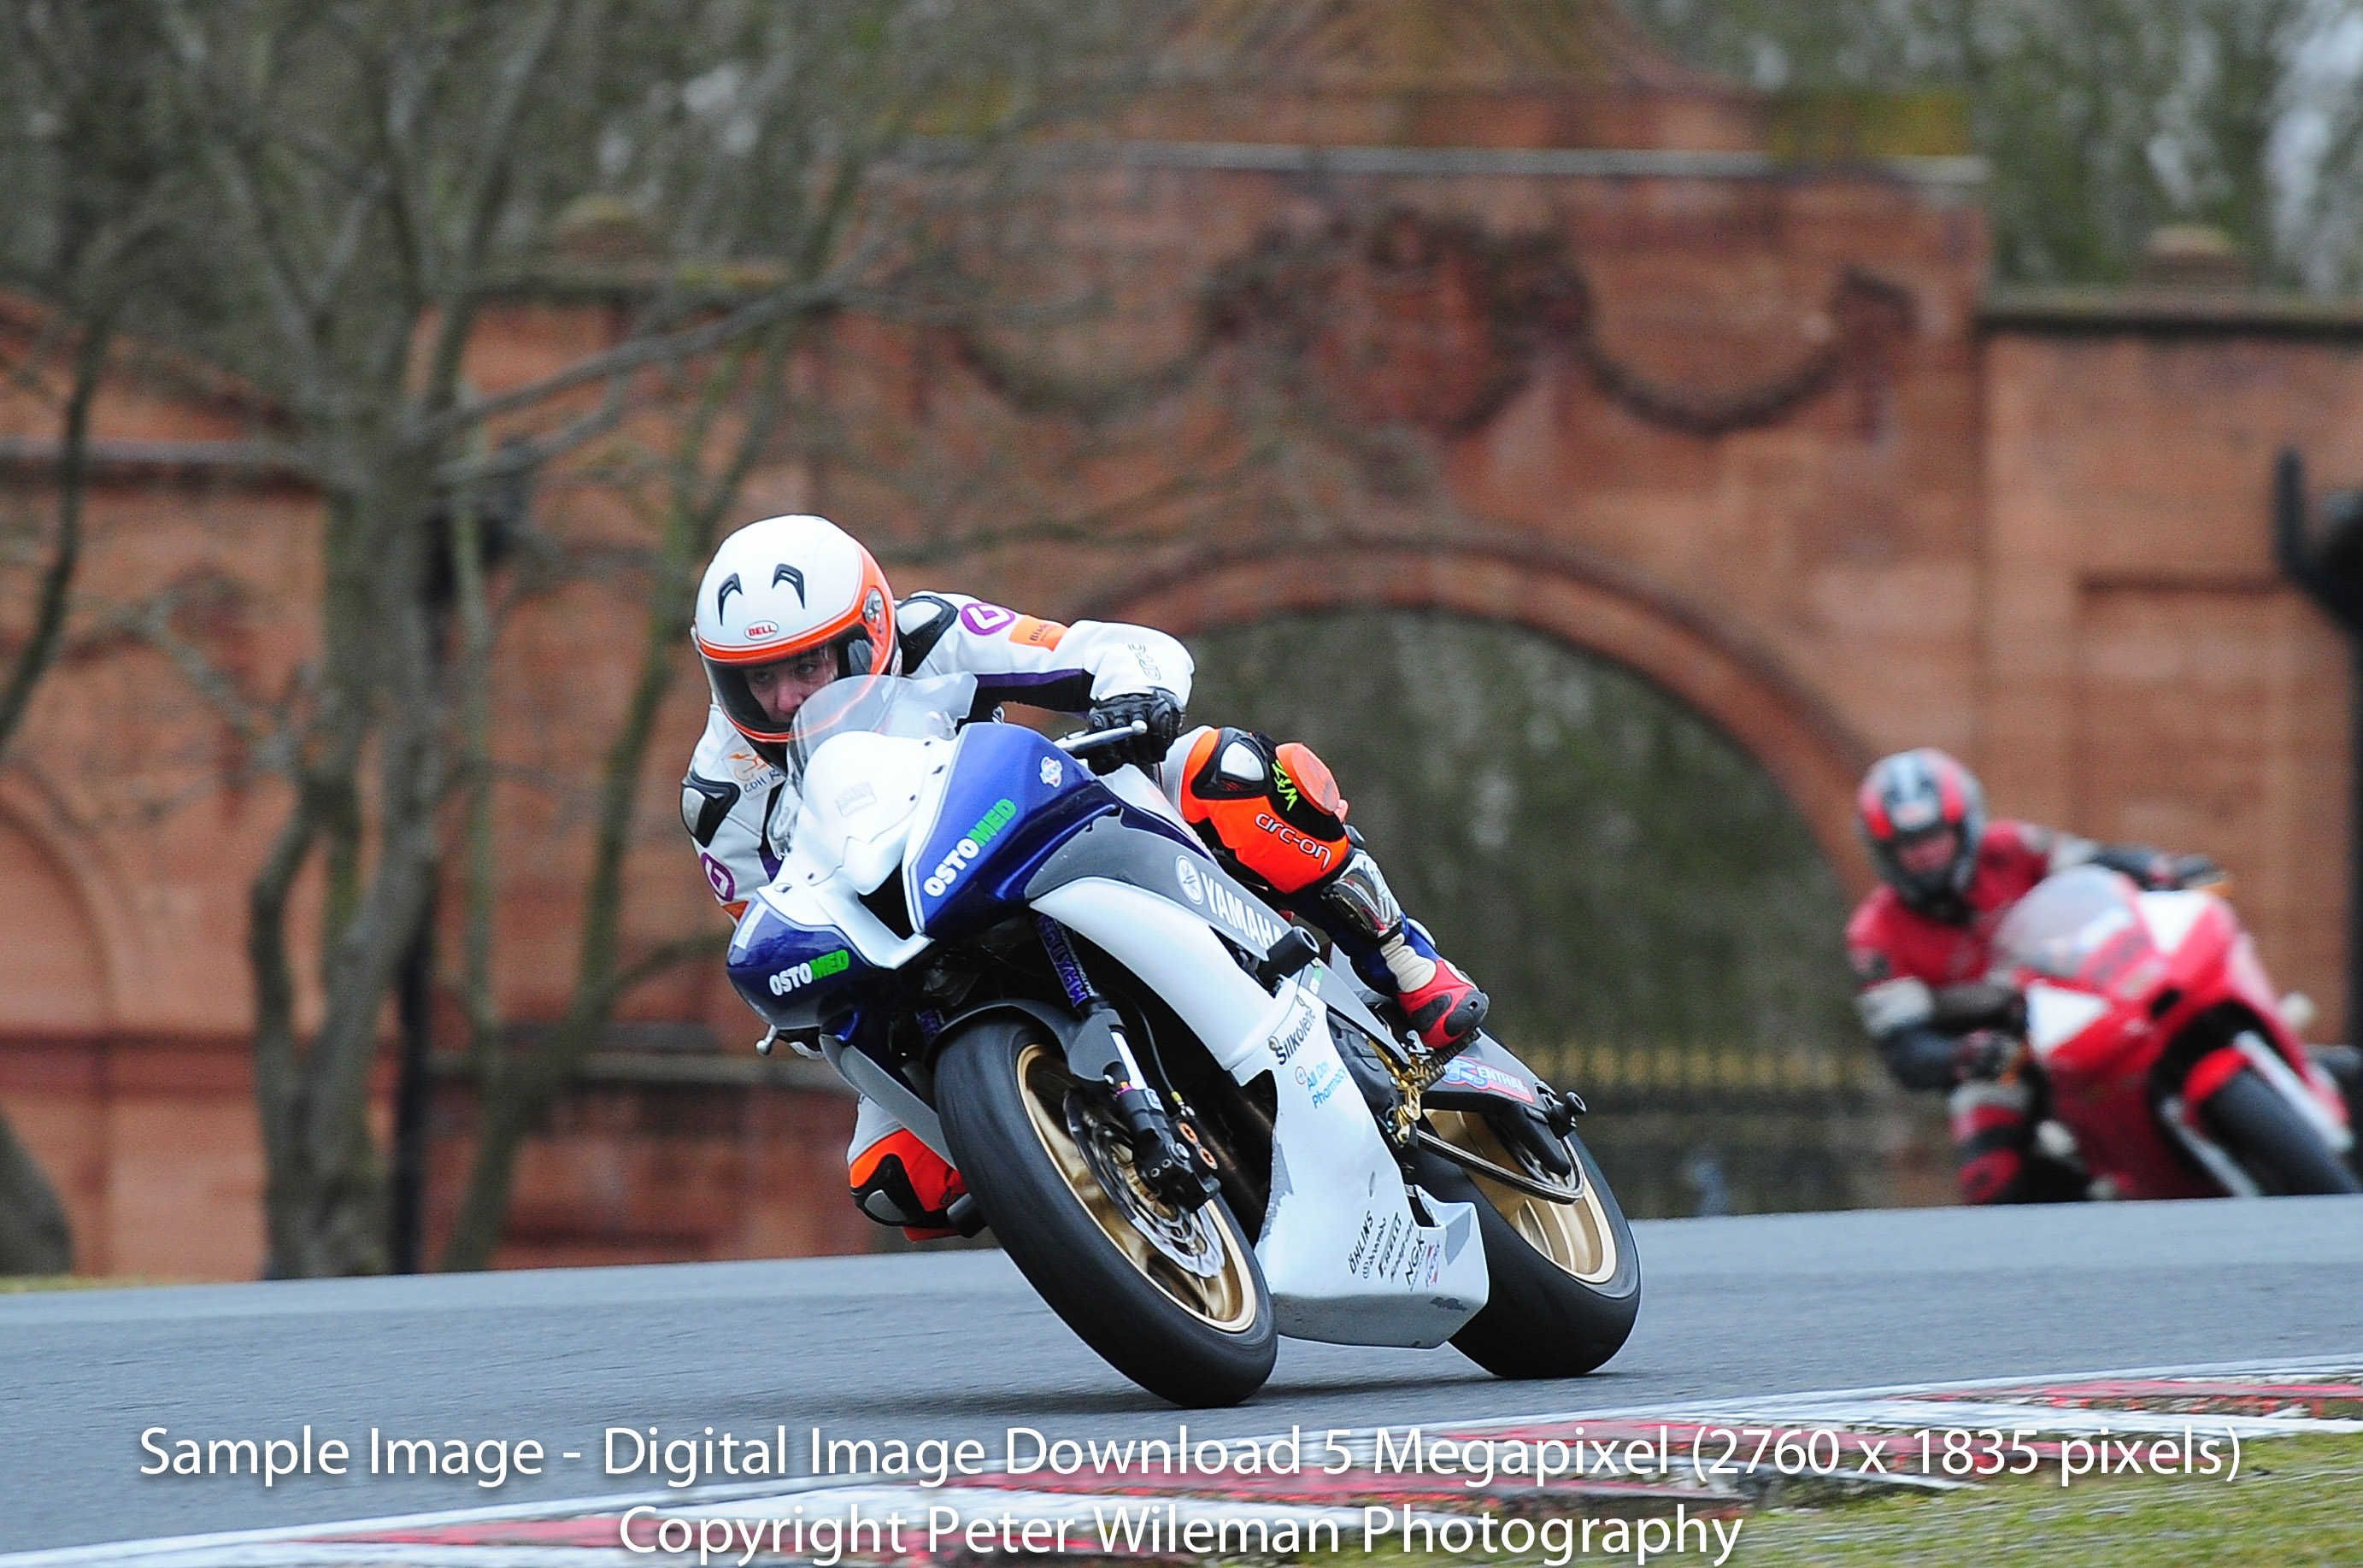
513, 1096
326, 1200
34, 1238
33, 1234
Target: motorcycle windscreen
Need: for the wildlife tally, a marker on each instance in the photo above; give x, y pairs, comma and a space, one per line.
2081, 925
930, 708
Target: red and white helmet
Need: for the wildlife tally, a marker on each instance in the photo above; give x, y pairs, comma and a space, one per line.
781, 587
1915, 795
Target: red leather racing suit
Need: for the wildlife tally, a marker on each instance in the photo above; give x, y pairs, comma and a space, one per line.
1902, 958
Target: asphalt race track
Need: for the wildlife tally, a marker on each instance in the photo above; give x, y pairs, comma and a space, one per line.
957, 1345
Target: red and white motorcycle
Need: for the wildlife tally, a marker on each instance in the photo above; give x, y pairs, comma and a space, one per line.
2162, 1044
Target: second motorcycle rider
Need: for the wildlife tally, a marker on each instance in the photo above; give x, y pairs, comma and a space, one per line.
791, 603
1920, 944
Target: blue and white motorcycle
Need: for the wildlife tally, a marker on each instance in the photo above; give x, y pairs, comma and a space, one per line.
1191, 1133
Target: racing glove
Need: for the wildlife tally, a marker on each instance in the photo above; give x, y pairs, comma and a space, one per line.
1158, 709
2196, 871
1985, 1054
2160, 872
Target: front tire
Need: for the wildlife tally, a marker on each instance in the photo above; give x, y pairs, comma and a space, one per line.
1174, 1301
2266, 1138
1566, 1282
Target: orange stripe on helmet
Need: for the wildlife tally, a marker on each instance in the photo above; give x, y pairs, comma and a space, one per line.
771, 653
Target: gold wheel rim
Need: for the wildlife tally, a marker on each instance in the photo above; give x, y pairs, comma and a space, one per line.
1576, 1237
1223, 1299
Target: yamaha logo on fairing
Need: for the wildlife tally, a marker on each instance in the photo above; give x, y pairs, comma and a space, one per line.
1202, 889
1227, 905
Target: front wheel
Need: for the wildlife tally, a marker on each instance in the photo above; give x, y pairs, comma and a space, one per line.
2266, 1138
1171, 1299
1566, 1282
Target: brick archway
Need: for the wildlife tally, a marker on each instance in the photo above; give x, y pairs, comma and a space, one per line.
1595, 605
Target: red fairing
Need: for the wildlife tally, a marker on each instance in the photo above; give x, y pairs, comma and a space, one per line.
2112, 978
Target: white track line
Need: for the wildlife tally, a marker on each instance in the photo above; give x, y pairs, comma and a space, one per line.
1893, 1405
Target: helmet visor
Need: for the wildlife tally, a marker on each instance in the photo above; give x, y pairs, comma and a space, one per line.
1928, 865
1929, 853
762, 700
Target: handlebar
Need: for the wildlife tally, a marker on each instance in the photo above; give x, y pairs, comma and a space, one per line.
1082, 745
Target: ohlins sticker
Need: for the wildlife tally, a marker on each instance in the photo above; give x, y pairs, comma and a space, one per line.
983, 831
1398, 1252
1312, 848
820, 968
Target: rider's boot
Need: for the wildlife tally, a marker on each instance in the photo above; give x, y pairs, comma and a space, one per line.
898, 1180
1993, 1127
1394, 954
1448, 1008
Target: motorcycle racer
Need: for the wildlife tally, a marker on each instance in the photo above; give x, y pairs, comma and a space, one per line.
1922, 943
789, 604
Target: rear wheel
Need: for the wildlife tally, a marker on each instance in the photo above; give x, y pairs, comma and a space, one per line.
1566, 1283
1171, 1299
2268, 1139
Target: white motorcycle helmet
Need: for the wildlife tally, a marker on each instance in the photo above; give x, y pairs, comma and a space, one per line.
782, 587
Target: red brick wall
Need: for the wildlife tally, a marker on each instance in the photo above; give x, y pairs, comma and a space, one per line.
1733, 423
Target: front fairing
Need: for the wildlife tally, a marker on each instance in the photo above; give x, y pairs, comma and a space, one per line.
1006, 802
862, 756
2114, 979
2079, 952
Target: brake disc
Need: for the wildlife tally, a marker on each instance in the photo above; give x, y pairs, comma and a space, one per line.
1189, 1239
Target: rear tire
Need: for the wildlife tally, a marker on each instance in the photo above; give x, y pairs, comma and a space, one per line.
1566, 1282
2266, 1138
1173, 1301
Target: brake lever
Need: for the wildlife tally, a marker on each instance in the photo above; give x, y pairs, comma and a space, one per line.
1079, 745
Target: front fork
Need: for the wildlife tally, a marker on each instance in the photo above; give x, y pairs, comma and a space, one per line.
1171, 1159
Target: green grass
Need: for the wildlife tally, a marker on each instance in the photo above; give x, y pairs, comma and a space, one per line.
24, 1284
2296, 1502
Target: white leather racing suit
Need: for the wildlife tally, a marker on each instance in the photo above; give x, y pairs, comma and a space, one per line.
732, 800
736, 806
